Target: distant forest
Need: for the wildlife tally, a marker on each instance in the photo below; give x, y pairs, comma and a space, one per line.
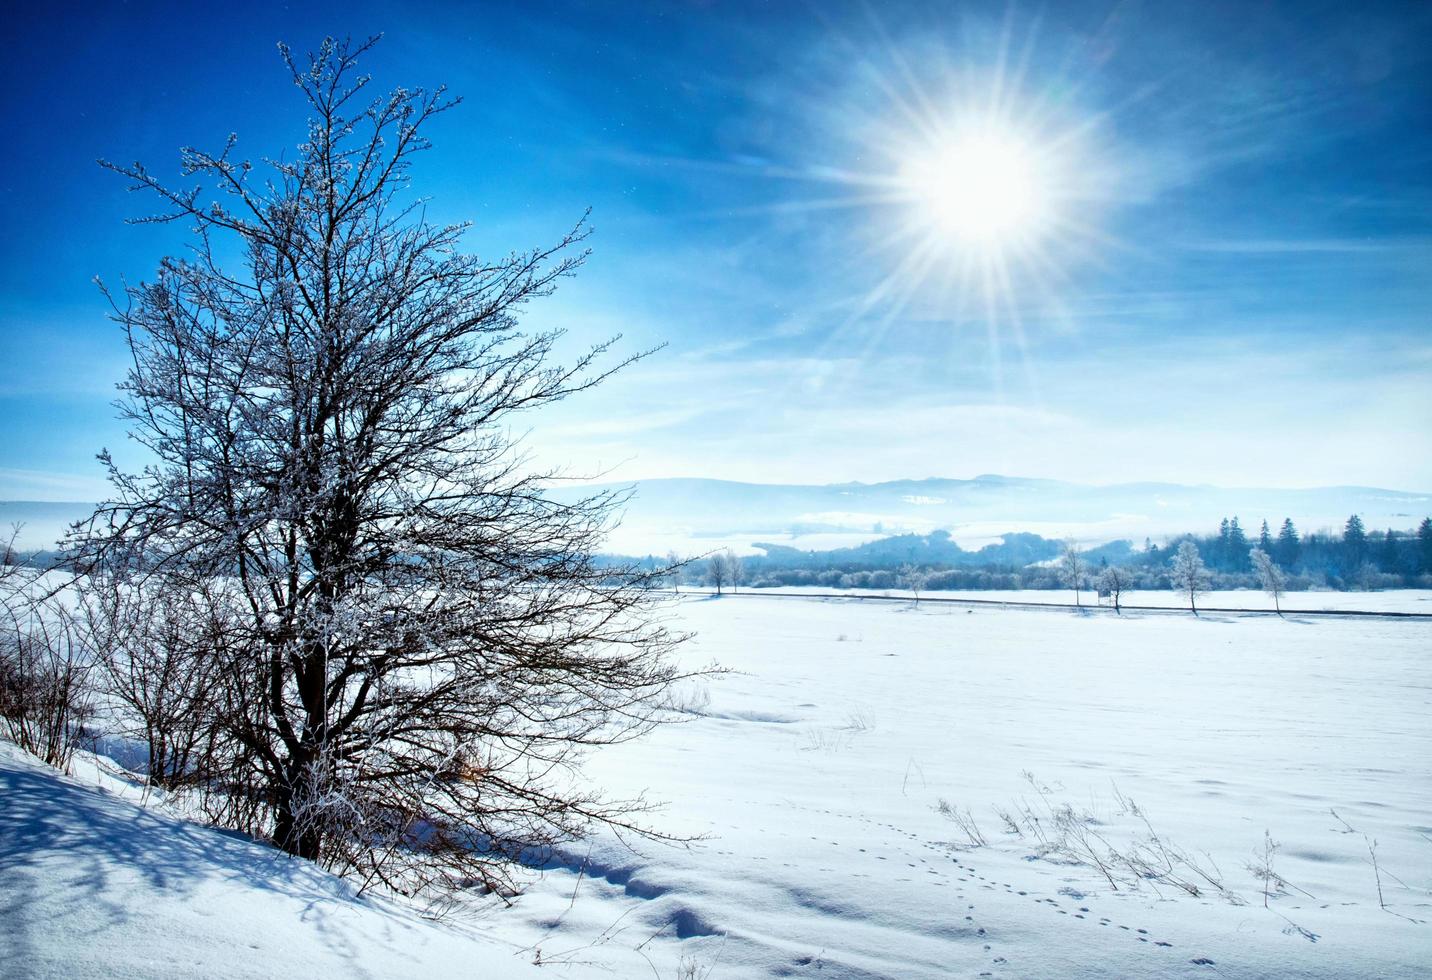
1355, 559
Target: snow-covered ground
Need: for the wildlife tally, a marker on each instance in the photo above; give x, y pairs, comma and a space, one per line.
92, 885
815, 771
1391, 600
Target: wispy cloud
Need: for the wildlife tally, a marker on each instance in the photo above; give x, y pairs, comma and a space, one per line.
1294, 246
23, 484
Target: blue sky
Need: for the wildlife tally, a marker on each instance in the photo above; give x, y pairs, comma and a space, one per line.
1229, 280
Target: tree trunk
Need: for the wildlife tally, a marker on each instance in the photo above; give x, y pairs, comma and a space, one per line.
301, 838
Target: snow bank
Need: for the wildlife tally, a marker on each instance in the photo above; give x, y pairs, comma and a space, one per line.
93, 885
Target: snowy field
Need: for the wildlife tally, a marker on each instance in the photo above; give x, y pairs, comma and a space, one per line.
1391, 600
815, 772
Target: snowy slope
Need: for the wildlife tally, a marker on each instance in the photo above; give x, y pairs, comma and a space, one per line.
92, 885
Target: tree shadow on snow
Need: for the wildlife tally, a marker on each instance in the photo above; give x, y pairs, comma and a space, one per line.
70, 846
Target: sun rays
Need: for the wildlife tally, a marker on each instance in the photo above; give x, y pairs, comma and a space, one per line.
969, 183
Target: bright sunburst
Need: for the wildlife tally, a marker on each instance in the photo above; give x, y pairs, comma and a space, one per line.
983, 188
979, 182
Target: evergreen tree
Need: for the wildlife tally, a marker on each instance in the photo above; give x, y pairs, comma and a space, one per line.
1265, 540
1389, 560
1354, 543
1288, 546
1236, 559
1424, 546
1222, 550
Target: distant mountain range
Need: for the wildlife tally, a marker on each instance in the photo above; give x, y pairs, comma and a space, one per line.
692, 515
697, 515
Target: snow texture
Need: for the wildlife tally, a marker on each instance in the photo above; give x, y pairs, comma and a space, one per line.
815, 773
93, 885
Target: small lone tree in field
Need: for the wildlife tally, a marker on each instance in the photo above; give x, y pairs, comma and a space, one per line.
1270, 575
1071, 568
416, 643
913, 578
1189, 574
718, 571
1113, 580
675, 567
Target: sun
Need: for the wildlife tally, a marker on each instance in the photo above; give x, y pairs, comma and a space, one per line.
980, 188
963, 183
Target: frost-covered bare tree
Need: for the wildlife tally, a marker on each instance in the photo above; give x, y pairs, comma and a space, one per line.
675, 568
1071, 568
913, 577
1270, 575
413, 644
1189, 574
1113, 581
735, 569
718, 571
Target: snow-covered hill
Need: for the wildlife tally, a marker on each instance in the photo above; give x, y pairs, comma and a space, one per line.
94, 885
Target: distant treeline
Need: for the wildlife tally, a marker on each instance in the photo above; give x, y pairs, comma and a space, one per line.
1355, 558
1352, 559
